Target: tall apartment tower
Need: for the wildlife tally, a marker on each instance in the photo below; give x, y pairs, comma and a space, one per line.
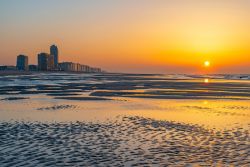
45, 62
22, 63
54, 52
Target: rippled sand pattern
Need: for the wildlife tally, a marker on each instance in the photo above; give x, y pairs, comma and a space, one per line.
60, 119
129, 141
57, 107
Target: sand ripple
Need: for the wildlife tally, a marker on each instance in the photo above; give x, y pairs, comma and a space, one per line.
58, 107
130, 141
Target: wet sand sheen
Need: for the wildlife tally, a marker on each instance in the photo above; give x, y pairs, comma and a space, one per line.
123, 120
129, 141
214, 114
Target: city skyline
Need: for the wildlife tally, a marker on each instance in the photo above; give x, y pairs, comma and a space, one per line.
127, 36
49, 62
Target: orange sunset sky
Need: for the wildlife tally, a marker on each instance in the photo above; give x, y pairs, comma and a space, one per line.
146, 36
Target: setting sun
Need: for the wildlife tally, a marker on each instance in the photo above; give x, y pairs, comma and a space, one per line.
206, 63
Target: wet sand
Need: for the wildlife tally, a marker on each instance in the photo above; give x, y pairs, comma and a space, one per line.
124, 85
129, 141
61, 119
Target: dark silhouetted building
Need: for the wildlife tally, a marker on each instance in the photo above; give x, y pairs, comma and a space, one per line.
51, 62
22, 63
45, 62
67, 66
32, 67
54, 52
7, 68
76, 67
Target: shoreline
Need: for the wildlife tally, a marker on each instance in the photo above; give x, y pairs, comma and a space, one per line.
10, 73
4, 73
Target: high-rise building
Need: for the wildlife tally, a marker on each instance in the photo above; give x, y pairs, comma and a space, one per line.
45, 62
22, 63
51, 62
54, 51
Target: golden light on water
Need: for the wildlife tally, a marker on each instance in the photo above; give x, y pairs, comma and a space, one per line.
205, 102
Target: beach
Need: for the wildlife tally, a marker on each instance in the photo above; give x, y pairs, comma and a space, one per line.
72, 119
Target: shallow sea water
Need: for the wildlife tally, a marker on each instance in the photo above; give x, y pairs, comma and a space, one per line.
124, 120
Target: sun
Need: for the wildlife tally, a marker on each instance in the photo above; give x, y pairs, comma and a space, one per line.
207, 63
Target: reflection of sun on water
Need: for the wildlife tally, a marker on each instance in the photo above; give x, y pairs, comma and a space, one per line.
206, 80
205, 102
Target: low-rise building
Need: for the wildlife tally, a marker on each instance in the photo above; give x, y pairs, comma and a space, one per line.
66, 66
76, 67
7, 68
32, 67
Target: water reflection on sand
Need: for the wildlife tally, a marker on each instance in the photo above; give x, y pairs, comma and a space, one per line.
124, 119
215, 114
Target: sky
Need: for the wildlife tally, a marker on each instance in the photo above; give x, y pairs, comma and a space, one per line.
137, 36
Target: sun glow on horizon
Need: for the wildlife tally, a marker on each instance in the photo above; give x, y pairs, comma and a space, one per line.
207, 63
153, 37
